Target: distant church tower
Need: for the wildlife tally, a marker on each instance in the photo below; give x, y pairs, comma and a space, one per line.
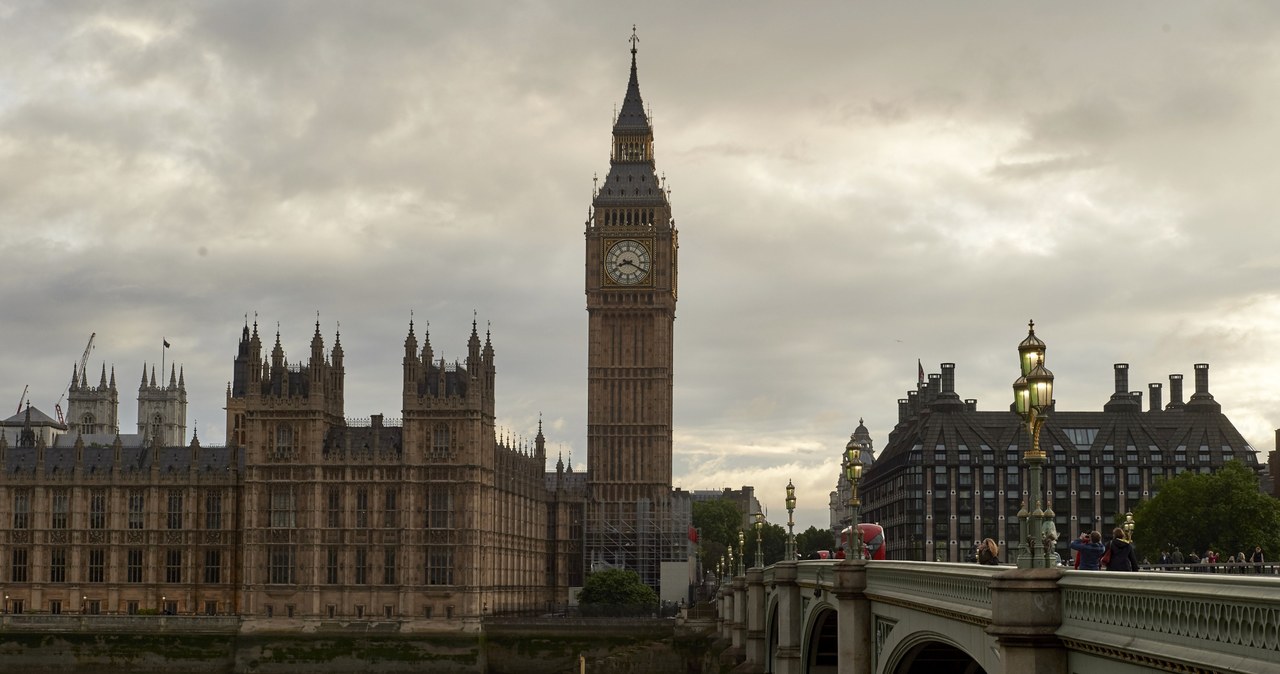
162, 410
93, 409
631, 304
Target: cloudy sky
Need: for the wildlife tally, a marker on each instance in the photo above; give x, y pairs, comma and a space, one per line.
857, 186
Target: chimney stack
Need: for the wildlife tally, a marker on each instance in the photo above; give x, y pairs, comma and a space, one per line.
1202, 400
1122, 400
1175, 392
1154, 388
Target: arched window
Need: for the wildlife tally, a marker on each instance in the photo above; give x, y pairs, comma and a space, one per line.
440, 440
157, 427
284, 438
87, 422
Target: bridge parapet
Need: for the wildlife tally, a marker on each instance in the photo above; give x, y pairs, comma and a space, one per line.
1162, 620
964, 588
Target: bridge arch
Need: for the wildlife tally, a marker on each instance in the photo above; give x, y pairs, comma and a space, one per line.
771, 633
822, 641
930, 653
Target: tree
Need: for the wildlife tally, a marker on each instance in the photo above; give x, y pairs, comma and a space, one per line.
616, 592
1222, 511
717, 521
813, 539
774, 540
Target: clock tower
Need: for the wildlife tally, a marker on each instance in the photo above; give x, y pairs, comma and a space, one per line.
631, 246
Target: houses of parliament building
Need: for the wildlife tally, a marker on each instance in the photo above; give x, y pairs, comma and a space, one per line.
306, 514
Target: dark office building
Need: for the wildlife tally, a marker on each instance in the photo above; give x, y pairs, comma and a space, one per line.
950, 474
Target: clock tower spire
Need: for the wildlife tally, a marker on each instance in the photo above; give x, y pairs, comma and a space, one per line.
631, 244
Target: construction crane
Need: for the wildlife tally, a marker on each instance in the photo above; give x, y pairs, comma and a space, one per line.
84, 362
23, 397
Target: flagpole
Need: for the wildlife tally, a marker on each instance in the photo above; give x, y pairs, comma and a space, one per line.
163, 341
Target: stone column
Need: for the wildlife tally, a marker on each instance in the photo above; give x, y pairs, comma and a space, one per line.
855, 617
1026, 611
755, 619
787, 660
739, 614
726, 612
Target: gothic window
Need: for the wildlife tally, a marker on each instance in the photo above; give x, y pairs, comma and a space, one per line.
58, 565
157, 429
173, 519
440, 440
362, 507
280, 564
87, 423
389, 565
362, 566
97, 565
331, 566
137, 501
18, 567
213, 509
389, 514
22, 509
284, 439
283, 506
439, 508
173, 566
98, 509
61, 508
439, 565
334, 498
133, 566
213, 566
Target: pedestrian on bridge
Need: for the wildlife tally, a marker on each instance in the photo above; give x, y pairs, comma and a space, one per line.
1090, 547
1120, 553
1257, 558
989, 552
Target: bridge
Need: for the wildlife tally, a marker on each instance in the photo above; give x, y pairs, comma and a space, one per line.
893, 617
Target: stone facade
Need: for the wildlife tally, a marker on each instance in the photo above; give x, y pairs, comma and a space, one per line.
308, 515
633, 519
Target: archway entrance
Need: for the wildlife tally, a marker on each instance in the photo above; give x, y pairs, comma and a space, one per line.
823, 656
934, 657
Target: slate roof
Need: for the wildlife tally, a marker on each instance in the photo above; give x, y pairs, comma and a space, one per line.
38, 418
99, 458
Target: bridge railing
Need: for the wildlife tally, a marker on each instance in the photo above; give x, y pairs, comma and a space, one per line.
1231, 619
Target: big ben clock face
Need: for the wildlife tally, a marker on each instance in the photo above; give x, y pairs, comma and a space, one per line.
627, 262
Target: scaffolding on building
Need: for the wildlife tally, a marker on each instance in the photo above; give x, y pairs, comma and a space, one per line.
638, 535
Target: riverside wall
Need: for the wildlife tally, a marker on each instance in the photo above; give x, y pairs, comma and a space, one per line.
48, 644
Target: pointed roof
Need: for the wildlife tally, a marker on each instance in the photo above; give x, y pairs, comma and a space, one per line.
632, 118
38, 418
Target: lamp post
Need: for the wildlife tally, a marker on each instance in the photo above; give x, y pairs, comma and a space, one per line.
1128, 526
759, 543
791, 522
728, 570
853, 471
1032, 400
742, 553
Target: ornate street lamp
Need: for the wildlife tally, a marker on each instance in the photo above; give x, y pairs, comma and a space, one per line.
791, 522
1032, 400
853, 471
759, 544
1128, 526
742, 553
729, 569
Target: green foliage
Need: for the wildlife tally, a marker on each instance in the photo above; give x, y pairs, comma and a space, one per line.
774, 542
617, 587
1222, 511
813, 539
717, 522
